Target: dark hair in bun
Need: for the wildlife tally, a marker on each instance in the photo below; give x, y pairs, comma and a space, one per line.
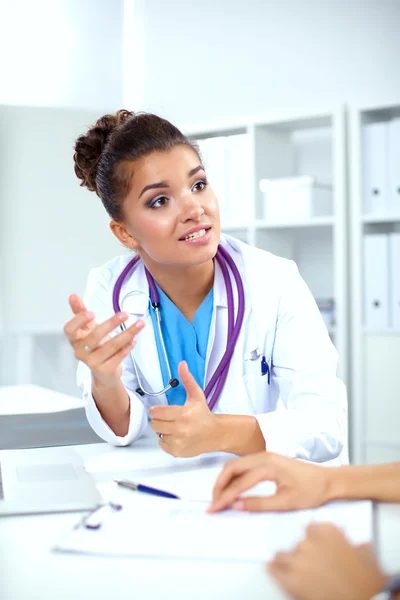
101, 155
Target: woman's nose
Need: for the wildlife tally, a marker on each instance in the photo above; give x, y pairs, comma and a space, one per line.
191, 208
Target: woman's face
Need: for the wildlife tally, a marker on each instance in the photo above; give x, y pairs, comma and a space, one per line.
171, 213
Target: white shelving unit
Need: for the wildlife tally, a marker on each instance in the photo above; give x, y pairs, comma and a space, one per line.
314, 144
375, 357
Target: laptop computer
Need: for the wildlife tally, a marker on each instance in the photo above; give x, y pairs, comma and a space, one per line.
45, 480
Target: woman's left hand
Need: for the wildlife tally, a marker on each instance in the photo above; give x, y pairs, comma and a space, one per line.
187, 430
325, 565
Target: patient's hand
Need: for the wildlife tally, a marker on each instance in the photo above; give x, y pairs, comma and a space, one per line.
325, 566
299, 484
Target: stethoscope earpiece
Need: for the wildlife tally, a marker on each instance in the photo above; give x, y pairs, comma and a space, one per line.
174, 383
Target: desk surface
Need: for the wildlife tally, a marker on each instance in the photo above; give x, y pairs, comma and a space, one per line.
33, 416
30, 571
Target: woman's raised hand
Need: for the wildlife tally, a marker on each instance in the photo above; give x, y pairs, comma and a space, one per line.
93, 344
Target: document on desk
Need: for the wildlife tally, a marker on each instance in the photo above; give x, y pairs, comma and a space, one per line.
159, 527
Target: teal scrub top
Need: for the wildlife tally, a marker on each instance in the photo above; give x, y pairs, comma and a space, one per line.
183, 341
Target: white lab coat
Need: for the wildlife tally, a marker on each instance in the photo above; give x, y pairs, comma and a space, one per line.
302, 413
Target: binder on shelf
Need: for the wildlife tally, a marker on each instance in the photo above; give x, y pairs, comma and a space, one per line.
394, 166
227, 161
376, 281
212, 151
394, 275
238, 179
375, 167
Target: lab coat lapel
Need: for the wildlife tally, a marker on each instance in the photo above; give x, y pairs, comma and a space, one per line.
135, 301
218, 327
248, 340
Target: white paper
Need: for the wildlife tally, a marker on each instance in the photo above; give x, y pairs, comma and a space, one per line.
157, 527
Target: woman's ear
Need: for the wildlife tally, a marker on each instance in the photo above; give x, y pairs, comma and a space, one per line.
122, 234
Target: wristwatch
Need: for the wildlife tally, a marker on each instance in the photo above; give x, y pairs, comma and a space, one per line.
390, 590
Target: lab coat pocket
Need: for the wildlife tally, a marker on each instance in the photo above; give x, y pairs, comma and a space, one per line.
256, 383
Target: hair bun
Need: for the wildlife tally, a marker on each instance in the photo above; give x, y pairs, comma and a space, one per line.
89, 147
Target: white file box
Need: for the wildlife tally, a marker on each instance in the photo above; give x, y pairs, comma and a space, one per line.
295, 199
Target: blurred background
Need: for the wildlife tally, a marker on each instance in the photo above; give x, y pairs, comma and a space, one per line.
296, 107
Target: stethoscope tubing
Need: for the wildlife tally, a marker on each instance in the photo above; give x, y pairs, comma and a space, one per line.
218, 379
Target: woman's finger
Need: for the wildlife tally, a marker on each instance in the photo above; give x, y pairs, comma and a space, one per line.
76, 304
71, 328
282, 560
111, 365
284, 575
172, 412
94, 357
192, 388
367, 555
238, 466
281, 501
231, 470
97, 335
165, 443
164, 427
235, 488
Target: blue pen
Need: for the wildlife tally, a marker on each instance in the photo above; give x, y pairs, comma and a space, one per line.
138, 487
265, 370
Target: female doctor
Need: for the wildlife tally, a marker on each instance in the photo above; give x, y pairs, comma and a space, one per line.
232, 354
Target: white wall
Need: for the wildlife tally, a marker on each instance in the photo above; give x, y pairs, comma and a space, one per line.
61, 53
52, 232
211, 59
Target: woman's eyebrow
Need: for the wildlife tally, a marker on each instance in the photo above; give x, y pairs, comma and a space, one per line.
153, 186
164, 184
195, 170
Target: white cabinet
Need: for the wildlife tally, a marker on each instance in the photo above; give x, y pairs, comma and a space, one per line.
382, 388
374, 227
287, 146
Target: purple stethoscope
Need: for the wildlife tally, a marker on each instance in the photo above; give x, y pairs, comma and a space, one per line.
214, 387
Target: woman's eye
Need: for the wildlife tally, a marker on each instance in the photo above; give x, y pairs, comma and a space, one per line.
199, 186
158, 202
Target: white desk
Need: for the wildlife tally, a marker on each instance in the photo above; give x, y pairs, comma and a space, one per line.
33, 416
30, 571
